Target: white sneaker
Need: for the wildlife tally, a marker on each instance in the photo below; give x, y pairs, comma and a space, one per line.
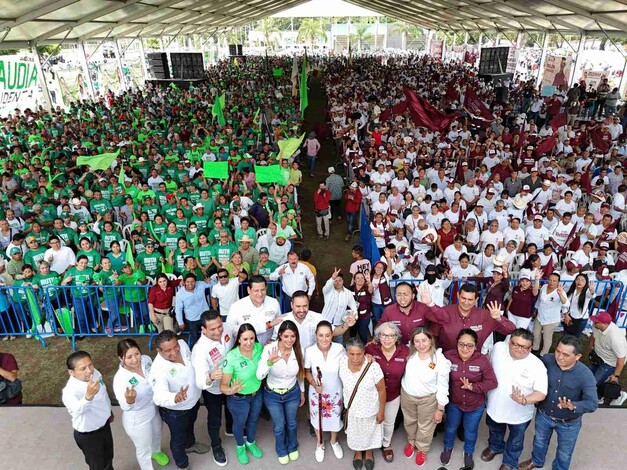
319, 453
29, 336
337, 449
620, 400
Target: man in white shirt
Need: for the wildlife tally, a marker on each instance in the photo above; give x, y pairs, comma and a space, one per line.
258, 309
522, 382
514, 233
561, 233
618, 203
225, 292
207, 358
294, 276
479, 216
470, 192
175, 392
86, 399
434, 286
60, 257
538, 234
567, 204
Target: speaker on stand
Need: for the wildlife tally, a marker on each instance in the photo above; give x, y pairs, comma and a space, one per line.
158, 67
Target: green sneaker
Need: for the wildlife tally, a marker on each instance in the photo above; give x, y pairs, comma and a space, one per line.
161, 458
242, 456
294, 455
141, 329
284, 460
152, 328
254, 450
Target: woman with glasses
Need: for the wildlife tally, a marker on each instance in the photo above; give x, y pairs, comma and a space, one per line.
391, 355
471, 378
282, 366
424, 393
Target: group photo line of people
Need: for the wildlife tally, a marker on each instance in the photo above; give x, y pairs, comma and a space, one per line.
493, 262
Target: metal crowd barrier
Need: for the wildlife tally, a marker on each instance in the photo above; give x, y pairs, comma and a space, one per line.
608, 295
84, 311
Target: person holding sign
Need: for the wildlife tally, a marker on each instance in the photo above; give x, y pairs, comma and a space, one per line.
86, 399
208, 357
142, 423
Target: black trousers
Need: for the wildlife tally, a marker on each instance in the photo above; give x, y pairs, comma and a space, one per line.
97, 446
214, 405
336, 207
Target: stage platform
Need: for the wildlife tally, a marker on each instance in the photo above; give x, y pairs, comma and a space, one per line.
41, 437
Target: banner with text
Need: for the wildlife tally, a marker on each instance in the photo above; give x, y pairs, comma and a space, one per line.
593, 78
557, 71
18, 83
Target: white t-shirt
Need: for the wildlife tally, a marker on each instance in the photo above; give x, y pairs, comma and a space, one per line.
488, 237
226, 295
528, 374
537, 236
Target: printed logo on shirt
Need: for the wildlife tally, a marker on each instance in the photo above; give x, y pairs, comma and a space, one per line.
172, 372
453, 367
474, 369
133, 381
227, 338
243, 364
399, 359
215, 355
476, 328
417, 320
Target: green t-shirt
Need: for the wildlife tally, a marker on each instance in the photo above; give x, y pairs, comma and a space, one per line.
222, 253
204, 254
32, 257
181, 224
93, 257
80, 278
171, 240
107, 278
116, 261
266, 269
67, 236
133, 294
150, 263
50, 279
244, 369
179, 259
106, 238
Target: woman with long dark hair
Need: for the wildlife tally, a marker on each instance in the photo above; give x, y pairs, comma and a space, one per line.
579, 294
282, 366
239, 381
133, 391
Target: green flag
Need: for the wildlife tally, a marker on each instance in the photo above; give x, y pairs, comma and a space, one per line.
98, 162
216, 170
129, 255
287, 147
269, 174
121, 176
217, 110
277, 72
256, 117
304, 98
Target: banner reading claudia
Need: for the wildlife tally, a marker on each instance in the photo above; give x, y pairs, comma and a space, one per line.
557, 71
18, 84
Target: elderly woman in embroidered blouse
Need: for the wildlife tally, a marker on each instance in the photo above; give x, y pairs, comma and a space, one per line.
552, 301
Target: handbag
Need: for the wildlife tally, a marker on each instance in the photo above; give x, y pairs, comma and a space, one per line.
322, 213
594, 358
344, 413
610, 390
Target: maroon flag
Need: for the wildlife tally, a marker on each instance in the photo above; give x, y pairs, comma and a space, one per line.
548, 269
425, 114
558, 121
451, 93
399, 108
600, 140
475, 106
459, 173
546, 146
586, 183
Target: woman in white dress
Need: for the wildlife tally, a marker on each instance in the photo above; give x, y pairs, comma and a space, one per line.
364, 382
140, 419
325, 355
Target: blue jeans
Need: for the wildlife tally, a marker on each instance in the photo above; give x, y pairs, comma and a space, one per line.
286, 303
140, 313
601, 374
181, 425
511, 449
86, 311
193, 327
312, 163
113, 309
363, 327
454, 417
245, 410
351, 217
566, 439
377, 311
283, 409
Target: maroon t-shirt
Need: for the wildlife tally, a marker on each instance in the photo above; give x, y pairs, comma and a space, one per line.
522, 302
393, 369
478, 371
407, 323
8, 362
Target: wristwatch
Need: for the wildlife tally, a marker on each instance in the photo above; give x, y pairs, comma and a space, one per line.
617, 376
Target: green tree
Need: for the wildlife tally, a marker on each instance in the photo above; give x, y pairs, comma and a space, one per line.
49, 49
361, 35
407, 31
311, 30
269, 28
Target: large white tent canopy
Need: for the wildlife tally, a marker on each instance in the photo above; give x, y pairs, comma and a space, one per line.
28, 22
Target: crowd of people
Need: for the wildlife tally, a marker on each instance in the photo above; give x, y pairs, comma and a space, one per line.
488, 236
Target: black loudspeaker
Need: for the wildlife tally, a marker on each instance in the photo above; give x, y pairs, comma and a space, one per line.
493, 60
158, 67
236, 50
187, 65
